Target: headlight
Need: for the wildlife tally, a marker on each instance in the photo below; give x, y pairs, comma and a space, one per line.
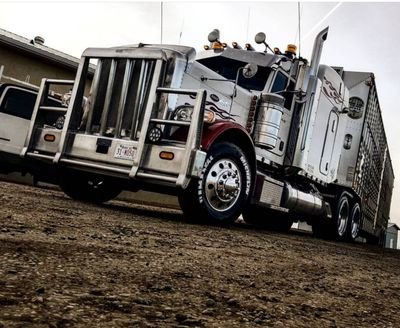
184, 113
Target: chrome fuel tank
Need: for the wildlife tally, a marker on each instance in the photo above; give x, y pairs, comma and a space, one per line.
268, 120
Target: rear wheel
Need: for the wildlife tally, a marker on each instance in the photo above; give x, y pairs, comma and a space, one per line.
342, 215
338, 227
89, 187
223, 188
354, 222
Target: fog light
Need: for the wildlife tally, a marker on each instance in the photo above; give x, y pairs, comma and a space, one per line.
154, 134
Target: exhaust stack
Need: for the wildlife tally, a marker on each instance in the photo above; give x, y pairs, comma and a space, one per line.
317, 51
311, 81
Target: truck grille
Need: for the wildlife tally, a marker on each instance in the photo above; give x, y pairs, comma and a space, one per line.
117, 98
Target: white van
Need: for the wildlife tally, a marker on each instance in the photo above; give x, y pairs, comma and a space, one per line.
16, 108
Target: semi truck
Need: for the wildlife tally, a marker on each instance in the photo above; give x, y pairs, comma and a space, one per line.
231, 131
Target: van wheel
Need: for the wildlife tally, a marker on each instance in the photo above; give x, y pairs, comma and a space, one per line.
223, 188
89, 187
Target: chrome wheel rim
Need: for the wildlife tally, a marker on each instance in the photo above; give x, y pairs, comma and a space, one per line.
343, 216
222, 185
355, 222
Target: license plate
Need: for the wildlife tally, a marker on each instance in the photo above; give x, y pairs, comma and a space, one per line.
124, 152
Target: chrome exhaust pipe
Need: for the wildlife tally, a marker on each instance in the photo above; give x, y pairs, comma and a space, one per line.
301, 202
317, 51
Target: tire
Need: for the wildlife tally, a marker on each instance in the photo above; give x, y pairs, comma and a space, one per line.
267, 219
222, 190
354, 222
89, 187
341, 218
338, 227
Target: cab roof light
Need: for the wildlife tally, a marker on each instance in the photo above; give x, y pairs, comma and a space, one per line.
291, 50
206, 47
236, 45
217, 45
249, 47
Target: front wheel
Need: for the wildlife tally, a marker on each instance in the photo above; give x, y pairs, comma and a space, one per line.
89, 187
223, 188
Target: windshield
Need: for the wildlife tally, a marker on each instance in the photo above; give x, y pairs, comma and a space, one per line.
228, 68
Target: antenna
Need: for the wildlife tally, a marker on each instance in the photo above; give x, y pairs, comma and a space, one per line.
248, 24
181, 31
299, 20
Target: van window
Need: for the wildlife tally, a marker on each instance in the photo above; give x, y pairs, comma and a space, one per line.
18, 102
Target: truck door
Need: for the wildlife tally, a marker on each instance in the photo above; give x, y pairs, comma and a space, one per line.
329, 142
16, 107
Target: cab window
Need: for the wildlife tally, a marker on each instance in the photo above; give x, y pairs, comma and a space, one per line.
18, 102
228, 69
281, 87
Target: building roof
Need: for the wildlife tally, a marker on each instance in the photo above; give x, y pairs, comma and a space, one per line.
394, 225
352, 79
37, 49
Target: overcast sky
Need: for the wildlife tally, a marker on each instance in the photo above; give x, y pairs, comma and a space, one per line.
363, 36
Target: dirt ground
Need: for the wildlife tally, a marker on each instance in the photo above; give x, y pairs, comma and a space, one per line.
69, 264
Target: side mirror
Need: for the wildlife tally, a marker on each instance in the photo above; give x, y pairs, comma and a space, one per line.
213, 36
249, 70
260, 37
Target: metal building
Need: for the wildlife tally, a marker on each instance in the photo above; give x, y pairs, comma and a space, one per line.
392, 234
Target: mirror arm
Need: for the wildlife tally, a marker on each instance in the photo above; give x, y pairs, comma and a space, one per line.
205, 78
236, 82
